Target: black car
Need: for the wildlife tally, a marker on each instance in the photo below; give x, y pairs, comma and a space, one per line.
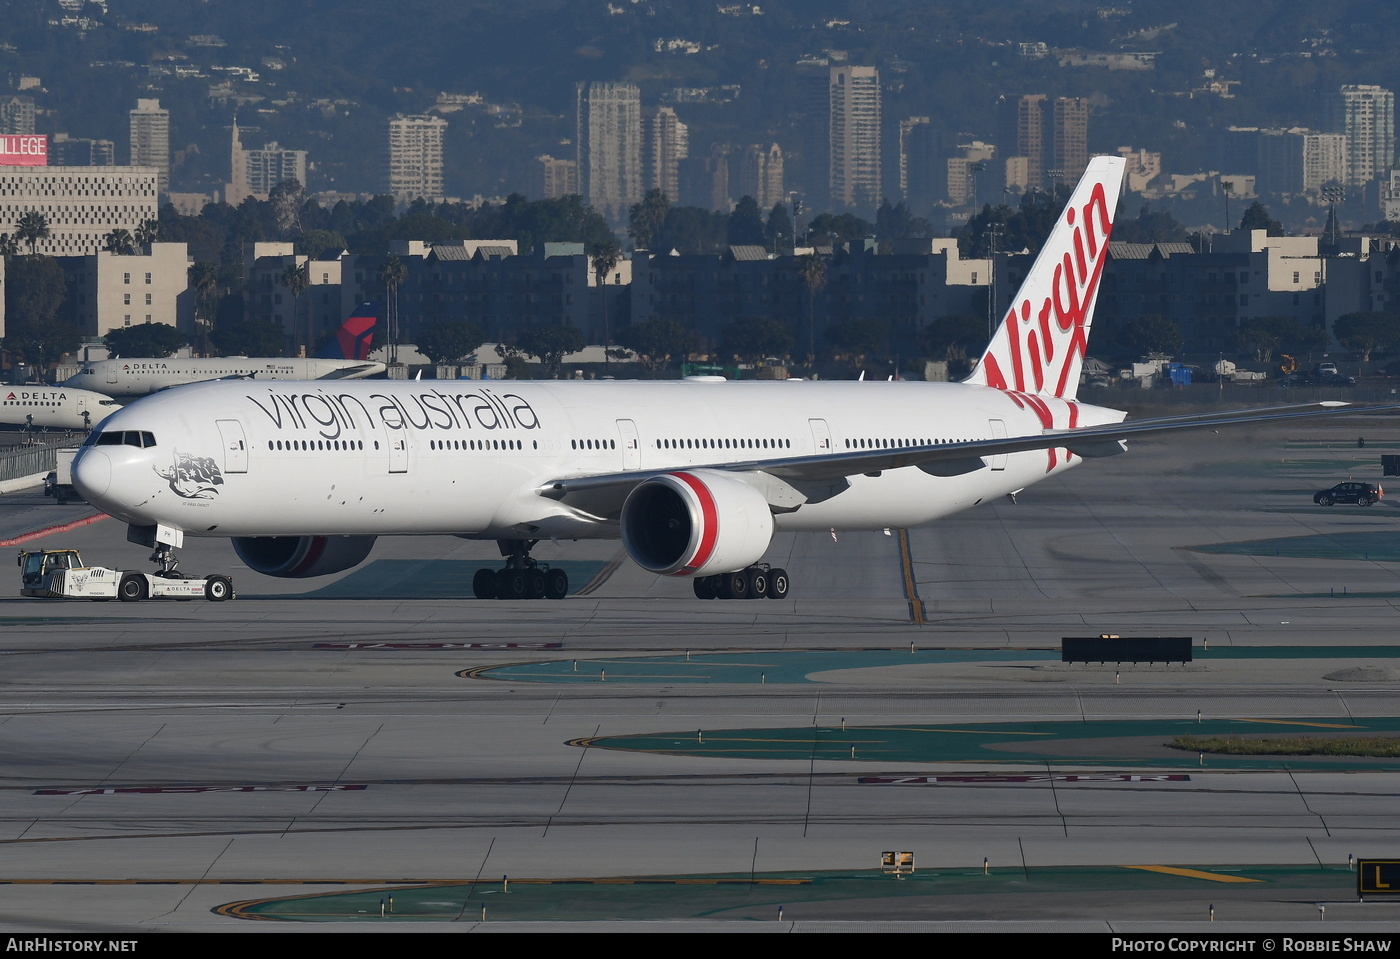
1362, 494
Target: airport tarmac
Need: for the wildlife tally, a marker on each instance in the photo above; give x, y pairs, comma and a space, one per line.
374, 730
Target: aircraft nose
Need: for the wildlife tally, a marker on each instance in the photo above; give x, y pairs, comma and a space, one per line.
92, 472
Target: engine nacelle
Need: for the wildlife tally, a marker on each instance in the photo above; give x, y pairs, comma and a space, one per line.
695, 523
297, 557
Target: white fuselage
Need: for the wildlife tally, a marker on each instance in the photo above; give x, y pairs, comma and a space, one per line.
460, 457
53, 408
142, 376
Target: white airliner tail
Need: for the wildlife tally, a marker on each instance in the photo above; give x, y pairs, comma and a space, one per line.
1040, 345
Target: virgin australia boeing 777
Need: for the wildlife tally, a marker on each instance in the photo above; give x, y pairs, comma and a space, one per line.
694, 476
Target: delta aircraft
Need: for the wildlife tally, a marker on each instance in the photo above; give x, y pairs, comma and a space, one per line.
53, 408
694, 476
347, 358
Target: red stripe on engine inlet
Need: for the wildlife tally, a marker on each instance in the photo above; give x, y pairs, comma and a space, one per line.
709, 518
314, 549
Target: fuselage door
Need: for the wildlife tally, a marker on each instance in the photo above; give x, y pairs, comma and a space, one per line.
997, 462
235, 446
398, 451
111, 372
631, 445
821, 436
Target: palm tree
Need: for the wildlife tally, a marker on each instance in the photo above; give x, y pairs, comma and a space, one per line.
119, 241
147, 233
392, 273
297, 277
605, 257
32, 227
812, 269
9, 245
204, 281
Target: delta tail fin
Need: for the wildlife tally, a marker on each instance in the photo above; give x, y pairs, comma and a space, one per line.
1040, 345
352, 341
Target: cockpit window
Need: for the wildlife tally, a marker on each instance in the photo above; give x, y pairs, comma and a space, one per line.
106, 402
137, 438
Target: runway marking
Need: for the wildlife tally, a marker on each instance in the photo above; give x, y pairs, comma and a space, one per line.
602, 576
911, 586
399, 646
1291, 722
129, 790
50, 530
974, 780
1193, 874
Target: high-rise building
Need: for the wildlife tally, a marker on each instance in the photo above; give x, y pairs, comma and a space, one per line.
558, 178
761, 175
415, 157
1324, 159
667, 145
150, 139
907, 129
16, 114
610, 146
1367, 117
854, 136
81, 204
66, 151
1069, 150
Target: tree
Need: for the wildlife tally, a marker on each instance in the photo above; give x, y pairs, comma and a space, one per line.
9, 245
1264, 335
256, 337
317, 243
657, 342
204, 281
392, 274
745, 227
779, 227
34, 292
1367, 332
955, 337
828, 229
605, 257
1149, 227
1256, 217
858, 338
812, 269
147, 233
754, 338
144, 339
645, 220
549, 344
119, 242
1151, 333
32, 227
446, 342
296, 277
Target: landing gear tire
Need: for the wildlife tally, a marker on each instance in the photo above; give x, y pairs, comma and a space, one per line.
131, 589
484, 584
758, 582
534, 584
510, 584
706, 587
777, 583
556, 584
734, 585
217, 589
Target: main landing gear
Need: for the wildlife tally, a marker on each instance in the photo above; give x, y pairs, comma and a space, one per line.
756, 582
522, 577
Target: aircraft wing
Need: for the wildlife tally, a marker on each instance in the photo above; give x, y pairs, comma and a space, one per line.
602, 494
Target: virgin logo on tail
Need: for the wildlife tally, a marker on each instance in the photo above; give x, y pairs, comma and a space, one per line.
1041, 343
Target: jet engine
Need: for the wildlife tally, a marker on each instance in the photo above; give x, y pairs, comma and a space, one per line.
695, 523
297, 557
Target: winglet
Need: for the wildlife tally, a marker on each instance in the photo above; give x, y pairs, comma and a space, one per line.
1040, 345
